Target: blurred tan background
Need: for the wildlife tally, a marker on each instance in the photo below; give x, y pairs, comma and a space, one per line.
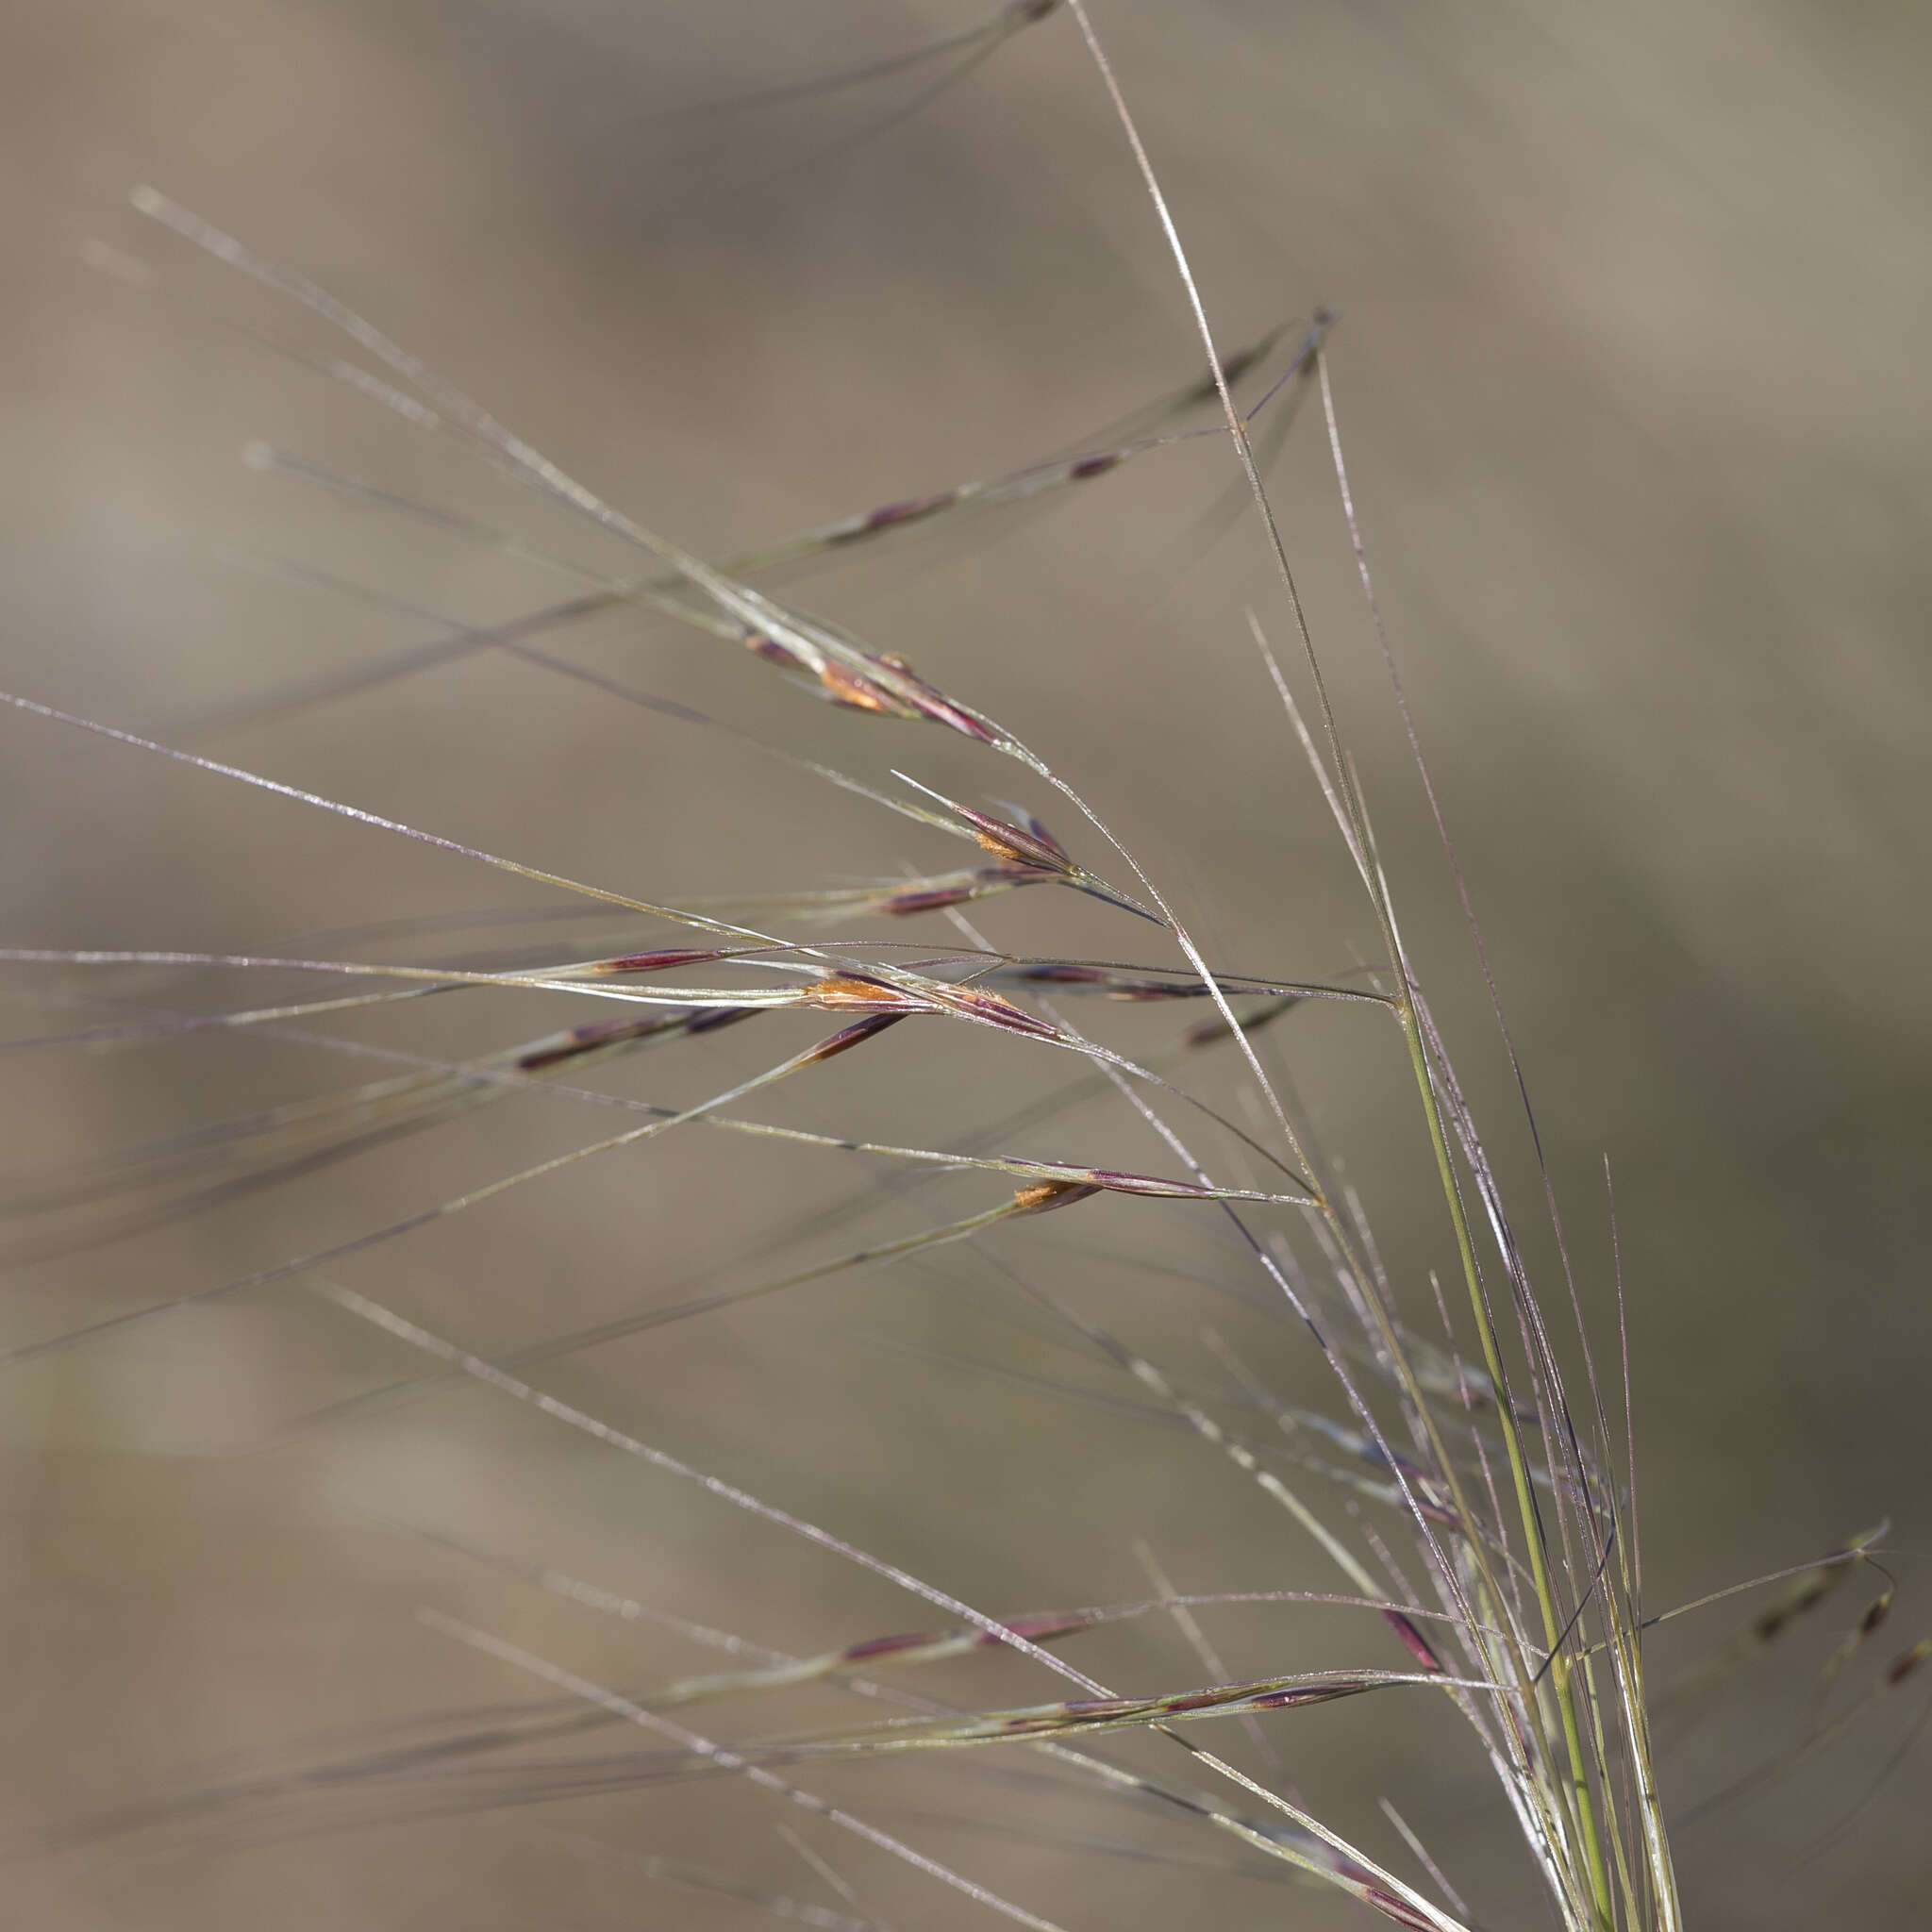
1632, 377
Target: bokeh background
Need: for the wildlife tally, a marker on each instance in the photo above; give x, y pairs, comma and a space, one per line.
1631, 376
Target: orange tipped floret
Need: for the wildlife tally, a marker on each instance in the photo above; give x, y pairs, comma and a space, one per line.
844, 991
1044, 1196
1032, 844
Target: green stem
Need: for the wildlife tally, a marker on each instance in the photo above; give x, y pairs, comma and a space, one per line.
1519, 1468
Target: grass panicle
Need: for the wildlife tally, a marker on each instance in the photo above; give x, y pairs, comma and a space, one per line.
1467, 1498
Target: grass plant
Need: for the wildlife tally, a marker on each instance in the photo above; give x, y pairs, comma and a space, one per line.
1469, 1492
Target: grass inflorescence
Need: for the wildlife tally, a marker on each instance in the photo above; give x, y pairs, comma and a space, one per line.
1466, 1494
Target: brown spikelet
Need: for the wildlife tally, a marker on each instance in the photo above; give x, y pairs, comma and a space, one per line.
1207, 1032
1015, 847
926, 700
1393, 1908
1150, 1185
1002, 847
980, 1005
1902, 1666
859, 694
1110, 984
1042, 1628
708, 1019
850, 1036
929, 899
586, 1039
1095, 466
1044, 1196
846, 989
664, 958
889, 514
560, 1050
1413, 1641
773, 651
